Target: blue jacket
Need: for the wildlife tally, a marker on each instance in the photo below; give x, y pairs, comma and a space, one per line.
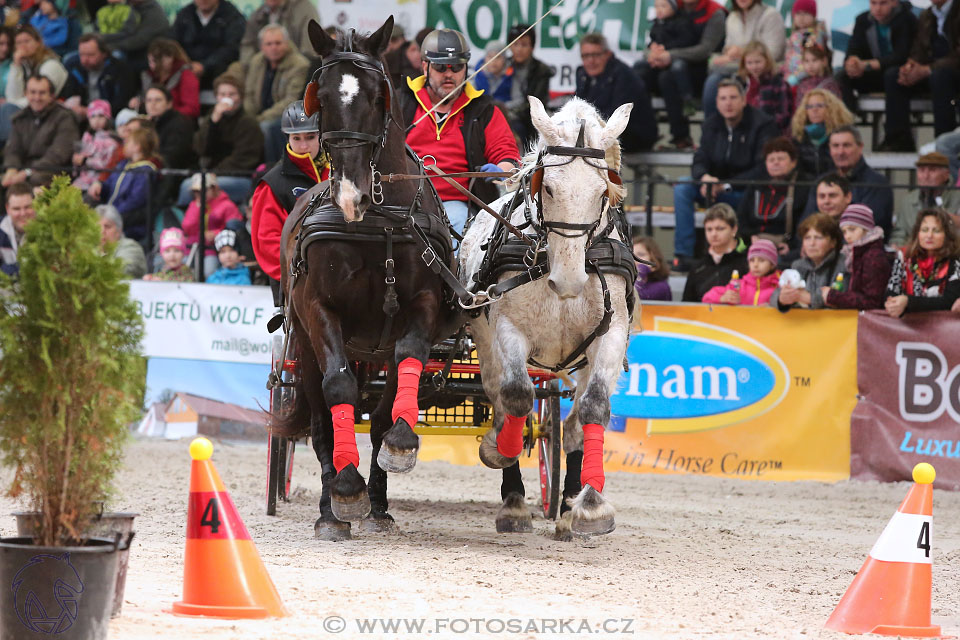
617, 85
129, 190
53, 31
115, 83
239, 275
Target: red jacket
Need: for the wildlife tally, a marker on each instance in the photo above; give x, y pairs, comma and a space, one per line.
267, 215
445, 141
184, 89
753, 292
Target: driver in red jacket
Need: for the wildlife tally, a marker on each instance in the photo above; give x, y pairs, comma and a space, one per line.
301, 167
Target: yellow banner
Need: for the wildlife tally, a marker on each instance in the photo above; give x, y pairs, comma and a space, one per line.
726, 391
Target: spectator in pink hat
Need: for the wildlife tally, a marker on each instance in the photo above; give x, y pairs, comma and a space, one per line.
865, 262
172, 247
755, 288
99, 148
807, 32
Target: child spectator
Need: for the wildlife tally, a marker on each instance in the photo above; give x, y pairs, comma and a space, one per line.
766, 88
496, 80
52, 26
865, 262
172, 249
124, 117
672, 29
926, 274
220, 211
756, 287
99, 148
112, 16
231, 271
129, 189
817, 73
807, 32
651, 282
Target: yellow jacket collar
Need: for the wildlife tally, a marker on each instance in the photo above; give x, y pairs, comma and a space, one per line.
416, 84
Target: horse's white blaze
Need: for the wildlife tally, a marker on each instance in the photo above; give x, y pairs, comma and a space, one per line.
349, 88
348, 199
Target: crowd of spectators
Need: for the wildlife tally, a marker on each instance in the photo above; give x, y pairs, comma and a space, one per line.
133, 95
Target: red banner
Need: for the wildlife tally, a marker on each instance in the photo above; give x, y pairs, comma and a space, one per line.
908, 374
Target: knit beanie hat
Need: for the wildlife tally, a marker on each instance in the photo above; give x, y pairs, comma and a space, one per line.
807, 6
172, 237
226, 238
859, 215
763, 248
124, 116
98, 108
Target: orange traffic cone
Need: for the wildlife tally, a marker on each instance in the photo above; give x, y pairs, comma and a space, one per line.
891, 594
223, 576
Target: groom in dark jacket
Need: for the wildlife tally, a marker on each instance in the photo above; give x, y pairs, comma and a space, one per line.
606, 83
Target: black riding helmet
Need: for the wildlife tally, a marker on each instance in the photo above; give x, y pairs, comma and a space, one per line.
295, 119
445, 46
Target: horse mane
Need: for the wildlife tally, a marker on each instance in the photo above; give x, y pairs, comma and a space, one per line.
567, 121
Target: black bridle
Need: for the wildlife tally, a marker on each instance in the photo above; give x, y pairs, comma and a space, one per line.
534, 186
344, 138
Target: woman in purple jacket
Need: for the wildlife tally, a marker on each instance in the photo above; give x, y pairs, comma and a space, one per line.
651, 282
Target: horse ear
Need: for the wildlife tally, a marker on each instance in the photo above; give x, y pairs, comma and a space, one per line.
379, 40
322, 43
615, 125
543, 123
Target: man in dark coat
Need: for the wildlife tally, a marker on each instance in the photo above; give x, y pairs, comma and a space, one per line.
881, 39
731, 147
606, 83
147, 21
869, 187
210, 32
531, 77
94, 74
933, 67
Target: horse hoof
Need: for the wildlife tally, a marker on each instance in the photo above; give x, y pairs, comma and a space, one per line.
490, 456
513, 516
398, 452
348, 495
379, 522
396, 461
592, 514
331, 530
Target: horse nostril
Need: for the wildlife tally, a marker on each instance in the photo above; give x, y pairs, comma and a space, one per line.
553, 286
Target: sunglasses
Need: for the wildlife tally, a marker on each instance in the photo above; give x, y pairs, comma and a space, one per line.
443, 68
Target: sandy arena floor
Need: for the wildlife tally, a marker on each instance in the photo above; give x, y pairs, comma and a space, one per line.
691, 557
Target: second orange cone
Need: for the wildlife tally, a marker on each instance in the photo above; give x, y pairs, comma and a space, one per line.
891, 593
223, 576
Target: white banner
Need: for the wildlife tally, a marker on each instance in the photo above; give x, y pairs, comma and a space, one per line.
204, 321
625, 23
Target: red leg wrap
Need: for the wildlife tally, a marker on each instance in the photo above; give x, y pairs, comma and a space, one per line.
408, 383
592, 470
510, 438
344, 437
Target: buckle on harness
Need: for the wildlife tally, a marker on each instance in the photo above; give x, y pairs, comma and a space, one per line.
428, 256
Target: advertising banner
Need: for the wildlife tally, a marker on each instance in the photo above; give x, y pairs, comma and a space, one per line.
204, 322
734, 392
625, 24
909, 379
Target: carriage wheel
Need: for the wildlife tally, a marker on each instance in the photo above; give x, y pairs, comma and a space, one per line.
279, 449
288, 470
274, 471
549, 451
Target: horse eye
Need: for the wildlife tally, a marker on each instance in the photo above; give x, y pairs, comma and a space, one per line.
548, 190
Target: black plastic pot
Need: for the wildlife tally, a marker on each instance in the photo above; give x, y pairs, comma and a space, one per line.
103, 525
65, 592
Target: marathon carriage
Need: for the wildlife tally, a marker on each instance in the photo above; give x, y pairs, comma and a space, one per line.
363, 314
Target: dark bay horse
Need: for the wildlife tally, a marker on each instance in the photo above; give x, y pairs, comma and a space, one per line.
358, 289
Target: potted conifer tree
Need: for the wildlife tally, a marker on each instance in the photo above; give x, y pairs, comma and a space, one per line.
70, 374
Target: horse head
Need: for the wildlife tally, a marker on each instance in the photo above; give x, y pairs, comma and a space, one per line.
578, 180
352, 92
